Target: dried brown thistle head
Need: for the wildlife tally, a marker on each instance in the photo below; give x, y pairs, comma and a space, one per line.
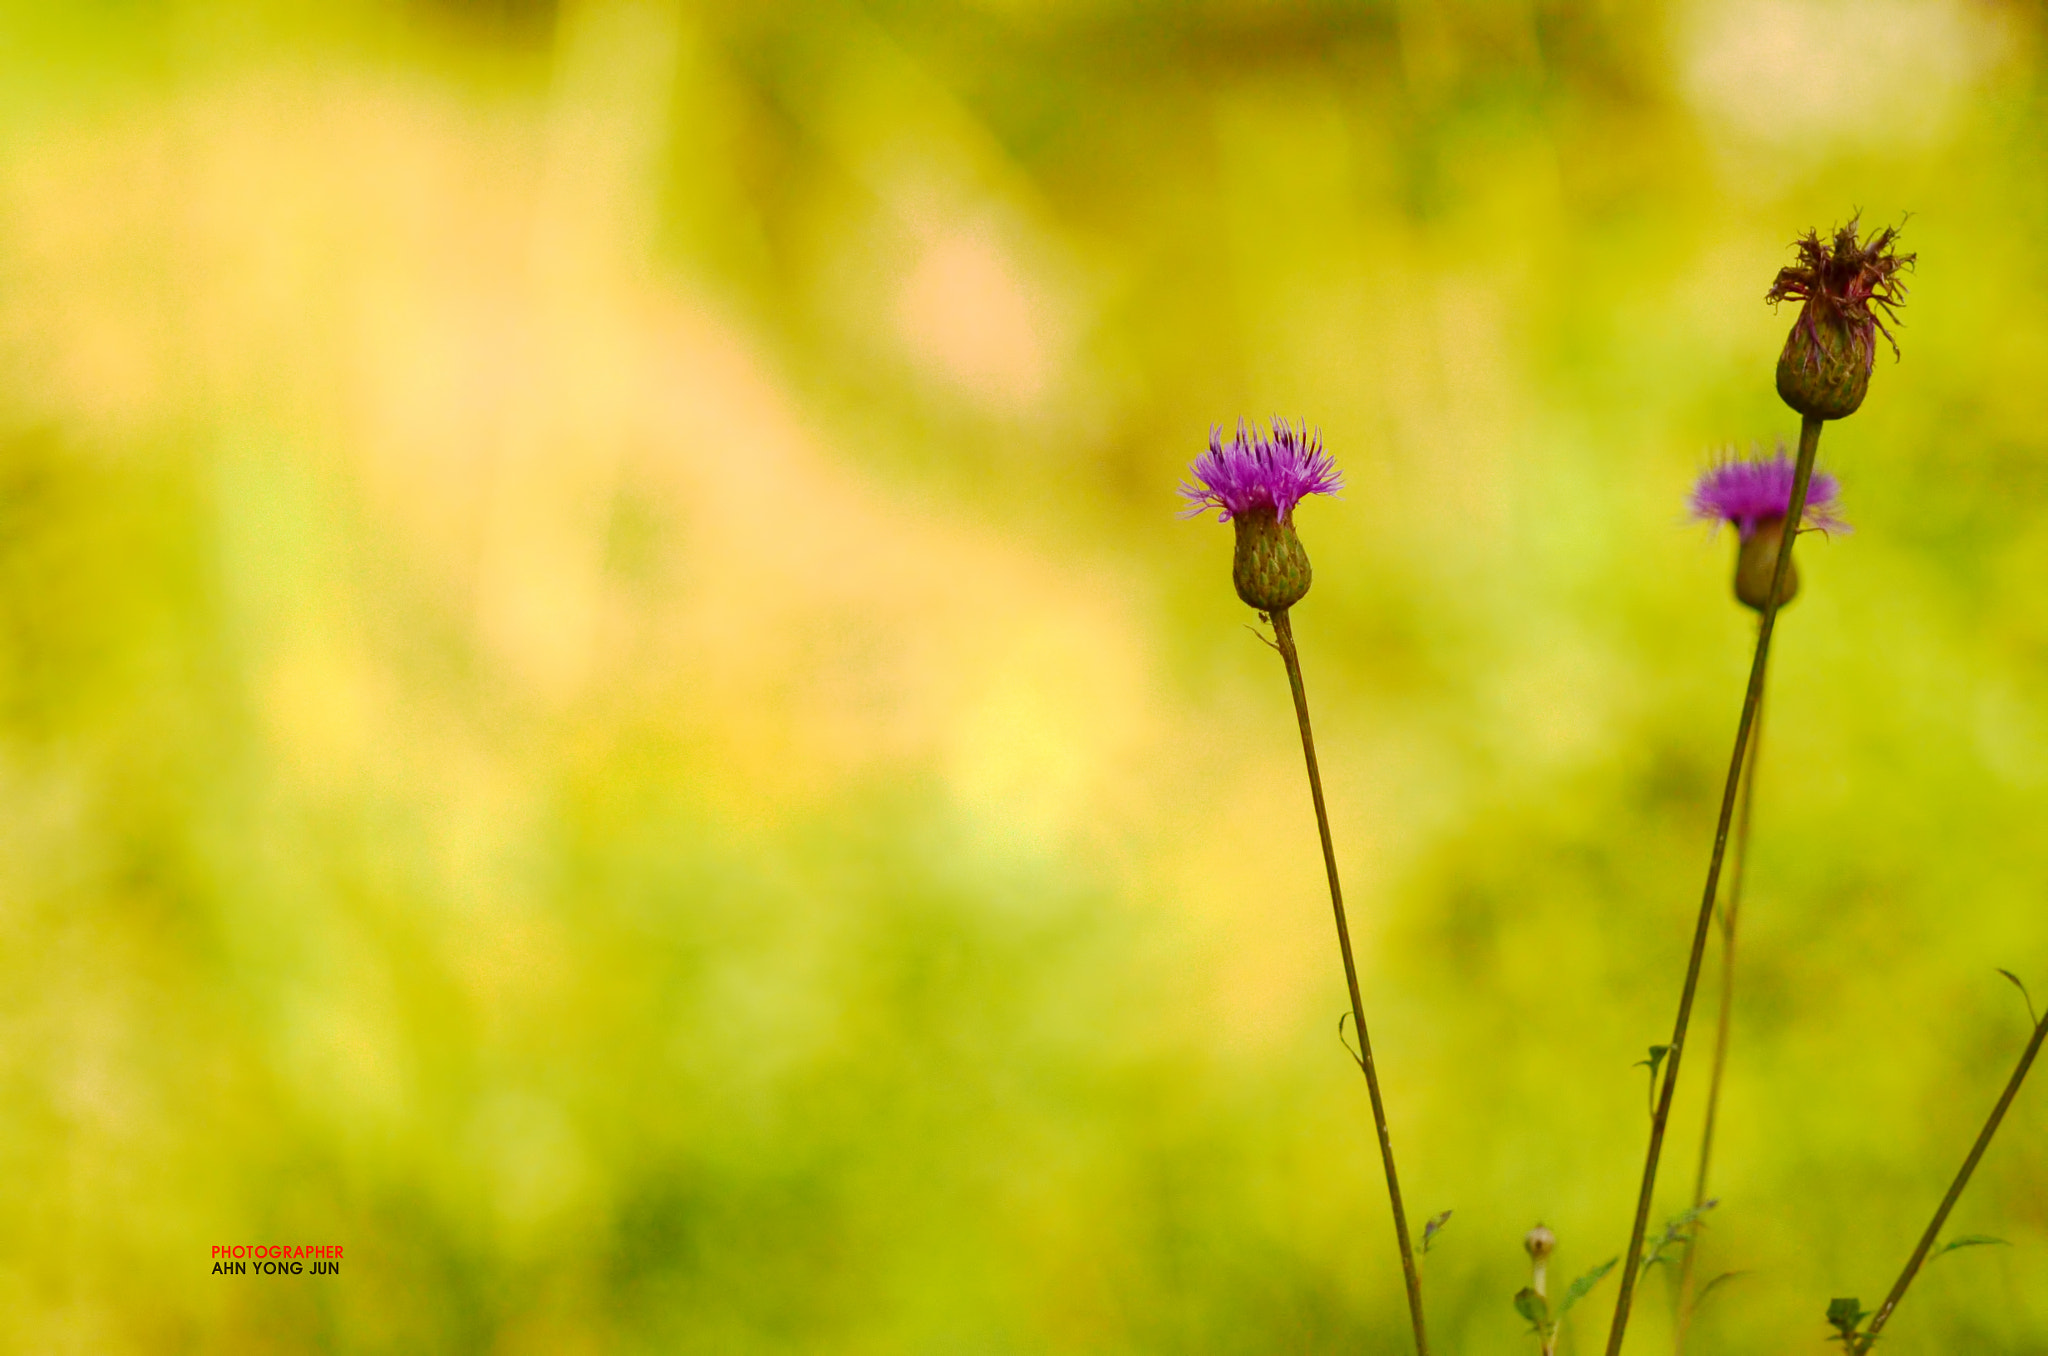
1848, 287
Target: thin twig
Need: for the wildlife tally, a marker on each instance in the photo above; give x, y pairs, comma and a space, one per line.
1731, 913
1809, 444
1283, 631
1955, 1190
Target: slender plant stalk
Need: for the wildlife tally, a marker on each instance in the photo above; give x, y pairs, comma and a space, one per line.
1809, 444
1537, 1283
1731, 913
1955, 1190
1283, 632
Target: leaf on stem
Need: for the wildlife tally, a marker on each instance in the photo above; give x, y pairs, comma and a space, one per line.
1678, 1229
1431, 1228
1584, 1285
2023, 994
1845, 1316
1345, 1041
1653, 1063
1708, 1288
1533, 1307
1967, 1241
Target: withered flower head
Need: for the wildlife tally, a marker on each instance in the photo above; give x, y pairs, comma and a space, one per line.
1848, 288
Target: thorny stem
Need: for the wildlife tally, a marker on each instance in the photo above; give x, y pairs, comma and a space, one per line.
1283, 632
1955, 1190
1730, 914
1809, 444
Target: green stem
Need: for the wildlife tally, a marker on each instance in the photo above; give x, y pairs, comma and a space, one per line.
1809, 444
1730, 914
1283, 631
1955, 1190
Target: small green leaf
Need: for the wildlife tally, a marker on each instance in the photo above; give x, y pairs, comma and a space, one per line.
1653, 1063
1708, 1288
1678, 1229
2023, 993
1533, 1307
1344, 1039
1967, 1241
1679, 1221
1583, 1286
1433, 1227
1844, 1315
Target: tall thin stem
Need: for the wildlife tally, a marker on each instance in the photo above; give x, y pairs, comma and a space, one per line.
1283, 632
1809, 444
1955, 1190
1731, 913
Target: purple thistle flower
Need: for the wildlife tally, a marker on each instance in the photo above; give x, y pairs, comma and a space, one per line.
1252, 472
1752, 491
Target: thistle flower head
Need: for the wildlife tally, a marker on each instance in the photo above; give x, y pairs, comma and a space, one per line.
1846, 277
1754, 494
1752, 491
1253, 471
1848, 287
1255, 482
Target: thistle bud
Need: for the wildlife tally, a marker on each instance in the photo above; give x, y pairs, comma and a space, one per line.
1757, 561
1255, 482
1270, 569
1824, 370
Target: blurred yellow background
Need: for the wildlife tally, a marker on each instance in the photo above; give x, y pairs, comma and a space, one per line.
602, 700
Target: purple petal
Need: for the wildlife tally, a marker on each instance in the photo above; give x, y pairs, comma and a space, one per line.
1254, 471
1750, 491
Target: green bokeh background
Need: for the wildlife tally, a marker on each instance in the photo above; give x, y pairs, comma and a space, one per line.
601, 698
